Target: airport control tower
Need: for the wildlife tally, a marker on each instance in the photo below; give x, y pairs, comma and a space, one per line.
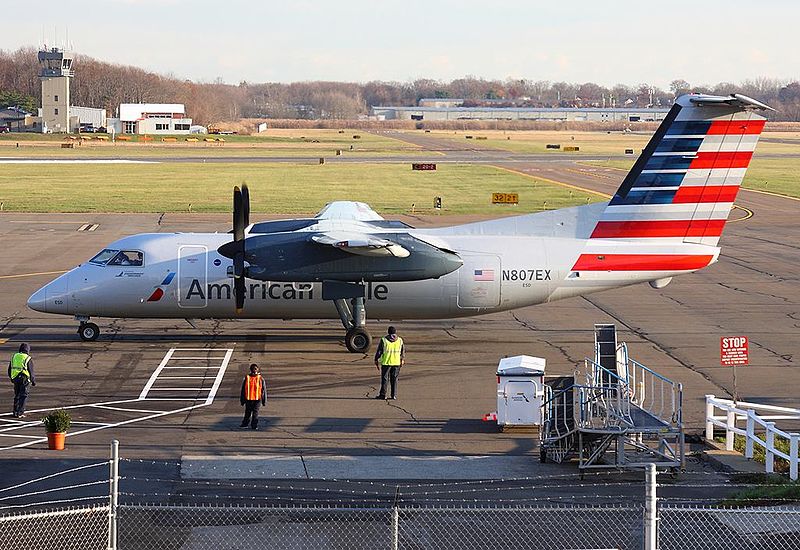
55, 74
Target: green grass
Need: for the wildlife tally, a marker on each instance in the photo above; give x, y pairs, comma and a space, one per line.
275, 188
760, 453
766, 490
776, 174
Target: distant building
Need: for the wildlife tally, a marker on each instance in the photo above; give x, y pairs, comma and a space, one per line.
152, 118
15, 119
440, 102
590, 114
89, 116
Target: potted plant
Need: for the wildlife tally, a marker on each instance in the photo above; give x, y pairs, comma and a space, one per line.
56, 424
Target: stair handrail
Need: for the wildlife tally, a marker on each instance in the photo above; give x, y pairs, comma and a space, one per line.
555, 426
613, 396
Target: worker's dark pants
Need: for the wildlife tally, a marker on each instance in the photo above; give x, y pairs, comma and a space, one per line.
251, 413
389, 374
21, 388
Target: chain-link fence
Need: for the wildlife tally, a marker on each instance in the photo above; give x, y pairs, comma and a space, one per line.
230, 527
80, 528
769, 528
339, 514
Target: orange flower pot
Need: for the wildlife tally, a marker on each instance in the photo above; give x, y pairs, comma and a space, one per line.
55, 441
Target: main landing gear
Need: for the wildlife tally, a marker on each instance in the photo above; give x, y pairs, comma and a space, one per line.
354, 320
87, 331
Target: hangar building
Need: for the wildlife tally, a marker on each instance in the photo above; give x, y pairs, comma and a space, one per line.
587, 114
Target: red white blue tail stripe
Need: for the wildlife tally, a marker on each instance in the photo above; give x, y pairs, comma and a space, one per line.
680, 191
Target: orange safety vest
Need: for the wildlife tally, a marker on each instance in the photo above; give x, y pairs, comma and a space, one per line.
252, 388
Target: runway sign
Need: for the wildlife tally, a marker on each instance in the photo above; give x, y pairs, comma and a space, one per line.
505, 198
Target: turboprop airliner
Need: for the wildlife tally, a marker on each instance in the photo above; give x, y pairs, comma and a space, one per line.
664, 220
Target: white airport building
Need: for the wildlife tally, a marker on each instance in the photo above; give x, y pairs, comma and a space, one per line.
151, 118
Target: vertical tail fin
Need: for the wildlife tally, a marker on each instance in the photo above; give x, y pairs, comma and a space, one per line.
682, 187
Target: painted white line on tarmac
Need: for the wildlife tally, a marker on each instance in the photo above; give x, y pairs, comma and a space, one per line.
12, 160
196, 402
155, 374
223, 367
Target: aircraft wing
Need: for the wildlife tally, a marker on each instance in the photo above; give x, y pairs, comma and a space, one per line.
361, 244
348, 210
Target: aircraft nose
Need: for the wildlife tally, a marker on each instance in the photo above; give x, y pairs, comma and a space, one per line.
38, 300
52, 297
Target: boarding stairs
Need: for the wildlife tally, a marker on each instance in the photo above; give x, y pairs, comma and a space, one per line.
614, 413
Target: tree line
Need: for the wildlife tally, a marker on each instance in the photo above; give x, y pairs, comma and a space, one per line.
106, 85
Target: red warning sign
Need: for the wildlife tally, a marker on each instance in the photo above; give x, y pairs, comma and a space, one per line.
734, 350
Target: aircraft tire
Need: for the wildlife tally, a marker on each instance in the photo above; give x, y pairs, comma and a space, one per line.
357, 340
89, 332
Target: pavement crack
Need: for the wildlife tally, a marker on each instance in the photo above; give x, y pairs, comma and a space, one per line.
525, 324
733, 260
450, 334
561, 349
305, 466
409, 413
160, 219
737, 289
8, 320
641, 334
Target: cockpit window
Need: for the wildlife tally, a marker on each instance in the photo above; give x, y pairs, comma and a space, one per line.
128, 257
103, 257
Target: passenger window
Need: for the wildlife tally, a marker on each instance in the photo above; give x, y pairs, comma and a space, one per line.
128, 258
103, 257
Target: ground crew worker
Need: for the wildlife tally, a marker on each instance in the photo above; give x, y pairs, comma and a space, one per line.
254, 394
20, 371
389, 357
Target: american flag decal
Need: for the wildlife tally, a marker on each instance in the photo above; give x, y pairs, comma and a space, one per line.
484, 275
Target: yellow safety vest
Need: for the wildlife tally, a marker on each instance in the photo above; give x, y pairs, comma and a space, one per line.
252, 388
19, 364
391, 352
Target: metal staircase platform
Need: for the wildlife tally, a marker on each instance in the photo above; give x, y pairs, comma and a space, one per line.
623, 417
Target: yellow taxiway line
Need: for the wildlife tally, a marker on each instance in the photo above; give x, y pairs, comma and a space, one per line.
555, 182
33, 274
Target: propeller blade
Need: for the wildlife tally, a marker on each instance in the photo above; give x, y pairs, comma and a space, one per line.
246, 204
238, 215
239, 293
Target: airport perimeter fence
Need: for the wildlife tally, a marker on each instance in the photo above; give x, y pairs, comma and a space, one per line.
478, 514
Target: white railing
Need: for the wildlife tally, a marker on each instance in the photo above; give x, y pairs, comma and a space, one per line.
758, 419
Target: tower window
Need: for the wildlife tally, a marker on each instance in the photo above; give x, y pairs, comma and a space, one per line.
55, 98
56, 111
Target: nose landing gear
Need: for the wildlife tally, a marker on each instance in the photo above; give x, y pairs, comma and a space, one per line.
88, 332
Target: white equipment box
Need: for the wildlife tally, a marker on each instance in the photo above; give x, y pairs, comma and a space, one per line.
520, 391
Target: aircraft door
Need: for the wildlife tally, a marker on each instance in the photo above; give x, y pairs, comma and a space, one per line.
192, 276
479, 281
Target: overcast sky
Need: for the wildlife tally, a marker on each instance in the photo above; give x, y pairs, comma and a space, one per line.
704, 41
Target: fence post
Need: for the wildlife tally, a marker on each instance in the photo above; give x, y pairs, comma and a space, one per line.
751, 433
650, 510
793, 458
770, 441
396, 520
730, 424
709, 418
113, 495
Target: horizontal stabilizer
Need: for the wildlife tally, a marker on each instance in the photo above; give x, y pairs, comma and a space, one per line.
734, 100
